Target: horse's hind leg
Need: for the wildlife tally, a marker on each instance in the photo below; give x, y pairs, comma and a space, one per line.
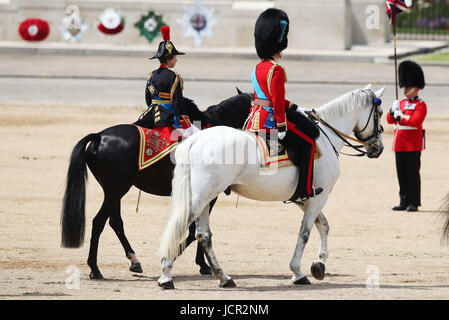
116, 223
199, 260
204, 237
97, 228
318, 267
109, 209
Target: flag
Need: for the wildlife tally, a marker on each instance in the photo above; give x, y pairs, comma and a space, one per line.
395, 7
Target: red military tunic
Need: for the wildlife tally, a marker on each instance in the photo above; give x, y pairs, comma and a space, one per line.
269, 86
271, 78
408, 133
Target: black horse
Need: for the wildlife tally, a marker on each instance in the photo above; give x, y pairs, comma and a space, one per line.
112, 158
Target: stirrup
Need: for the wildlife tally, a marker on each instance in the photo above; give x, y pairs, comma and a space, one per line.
301, 200
314, 193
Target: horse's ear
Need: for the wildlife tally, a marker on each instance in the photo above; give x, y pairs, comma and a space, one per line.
380, 92
238, 90
368, 86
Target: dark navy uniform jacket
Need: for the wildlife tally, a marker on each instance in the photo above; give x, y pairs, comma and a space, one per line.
163, 94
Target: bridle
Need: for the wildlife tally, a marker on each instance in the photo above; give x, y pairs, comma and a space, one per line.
375, 102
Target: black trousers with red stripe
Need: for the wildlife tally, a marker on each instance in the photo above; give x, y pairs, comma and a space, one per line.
408, 165
301, 149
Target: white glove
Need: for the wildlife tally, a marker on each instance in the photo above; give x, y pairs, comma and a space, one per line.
395, 107
281, 135
189, 131
302, 110
397, 114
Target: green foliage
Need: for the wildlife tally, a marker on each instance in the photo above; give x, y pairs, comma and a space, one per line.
435, 57
428, 17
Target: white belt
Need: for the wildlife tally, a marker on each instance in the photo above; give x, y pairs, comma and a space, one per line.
399, 127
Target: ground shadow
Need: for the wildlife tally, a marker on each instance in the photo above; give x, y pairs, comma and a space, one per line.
282, 286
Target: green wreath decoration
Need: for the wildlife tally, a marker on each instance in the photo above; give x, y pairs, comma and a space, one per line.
150, 25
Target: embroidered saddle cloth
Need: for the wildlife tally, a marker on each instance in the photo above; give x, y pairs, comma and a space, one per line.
273, 153
155, 144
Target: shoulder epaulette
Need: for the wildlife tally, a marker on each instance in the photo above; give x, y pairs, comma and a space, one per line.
178, 79
271, 72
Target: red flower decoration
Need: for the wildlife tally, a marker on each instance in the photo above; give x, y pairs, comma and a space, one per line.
105, 30
111, 22
34, 29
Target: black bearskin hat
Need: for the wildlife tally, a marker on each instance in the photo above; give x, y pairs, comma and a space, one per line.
166, 47
410, 75
270, 32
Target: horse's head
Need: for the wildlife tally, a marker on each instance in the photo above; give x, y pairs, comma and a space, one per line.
368, 128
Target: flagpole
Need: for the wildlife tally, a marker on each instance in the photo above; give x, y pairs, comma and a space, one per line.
395, 54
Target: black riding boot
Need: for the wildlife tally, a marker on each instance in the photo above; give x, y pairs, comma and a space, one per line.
302, 157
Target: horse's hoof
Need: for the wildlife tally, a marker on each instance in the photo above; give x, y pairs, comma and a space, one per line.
317, 269
167, 285
136, 267
302, 281
228, 284
96, 275
205, 270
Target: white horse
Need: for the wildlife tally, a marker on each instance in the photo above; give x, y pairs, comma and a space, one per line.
197, 181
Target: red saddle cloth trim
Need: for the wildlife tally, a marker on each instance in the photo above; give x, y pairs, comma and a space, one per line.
155, 144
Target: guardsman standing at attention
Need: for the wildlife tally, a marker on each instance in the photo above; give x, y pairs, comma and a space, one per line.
407, 116
268, 113
163, 92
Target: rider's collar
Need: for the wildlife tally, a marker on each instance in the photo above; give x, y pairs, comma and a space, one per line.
413, 99
163, 65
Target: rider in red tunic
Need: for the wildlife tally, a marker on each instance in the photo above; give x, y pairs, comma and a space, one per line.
268, 114
407, 116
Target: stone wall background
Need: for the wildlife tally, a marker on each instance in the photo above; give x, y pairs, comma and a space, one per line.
318, 24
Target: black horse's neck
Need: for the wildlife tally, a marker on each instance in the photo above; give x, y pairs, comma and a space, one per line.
231, 112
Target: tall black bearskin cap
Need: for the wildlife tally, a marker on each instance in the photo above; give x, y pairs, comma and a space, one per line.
270, 32
410, 75
166, 47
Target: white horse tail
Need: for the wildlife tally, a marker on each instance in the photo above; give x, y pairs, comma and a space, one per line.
172, 241
445, 212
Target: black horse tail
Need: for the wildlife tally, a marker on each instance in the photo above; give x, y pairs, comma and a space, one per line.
73, 207
445, 212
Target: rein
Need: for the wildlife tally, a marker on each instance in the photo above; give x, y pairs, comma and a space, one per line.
344, 137
341, 135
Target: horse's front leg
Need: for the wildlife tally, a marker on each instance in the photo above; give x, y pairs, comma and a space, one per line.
318, 267
304, 233
204, 237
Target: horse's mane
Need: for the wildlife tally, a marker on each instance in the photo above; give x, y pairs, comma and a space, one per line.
346, 103
193, 111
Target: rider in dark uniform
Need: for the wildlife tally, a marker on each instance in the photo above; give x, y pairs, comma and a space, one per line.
163, 91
